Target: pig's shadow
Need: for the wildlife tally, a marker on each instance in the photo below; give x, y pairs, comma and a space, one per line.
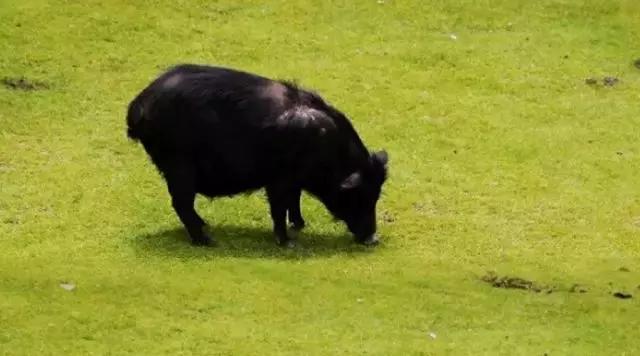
246, 242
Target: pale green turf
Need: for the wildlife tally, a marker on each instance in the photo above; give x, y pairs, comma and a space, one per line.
502, 159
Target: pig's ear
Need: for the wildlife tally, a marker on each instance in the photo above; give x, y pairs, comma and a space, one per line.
379, 161
351, 181
381, 157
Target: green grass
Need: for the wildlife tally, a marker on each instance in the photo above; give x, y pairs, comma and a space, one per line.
502, 159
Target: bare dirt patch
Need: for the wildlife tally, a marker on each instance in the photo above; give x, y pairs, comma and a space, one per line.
577, 288
24, 84
622, 295
610, 81
509, 282
606, 81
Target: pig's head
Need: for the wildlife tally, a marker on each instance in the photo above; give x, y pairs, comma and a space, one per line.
356, 199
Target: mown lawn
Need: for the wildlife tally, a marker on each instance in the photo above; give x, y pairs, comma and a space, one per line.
502, 159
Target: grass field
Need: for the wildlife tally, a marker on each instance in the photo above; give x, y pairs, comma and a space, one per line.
501, 159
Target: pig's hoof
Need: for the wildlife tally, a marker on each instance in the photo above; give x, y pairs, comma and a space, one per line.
370, 241
289, 244
203, 240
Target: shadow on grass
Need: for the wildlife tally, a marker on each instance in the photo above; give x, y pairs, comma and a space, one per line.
247, 242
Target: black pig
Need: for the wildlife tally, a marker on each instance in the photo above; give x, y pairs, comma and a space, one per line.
220, 132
